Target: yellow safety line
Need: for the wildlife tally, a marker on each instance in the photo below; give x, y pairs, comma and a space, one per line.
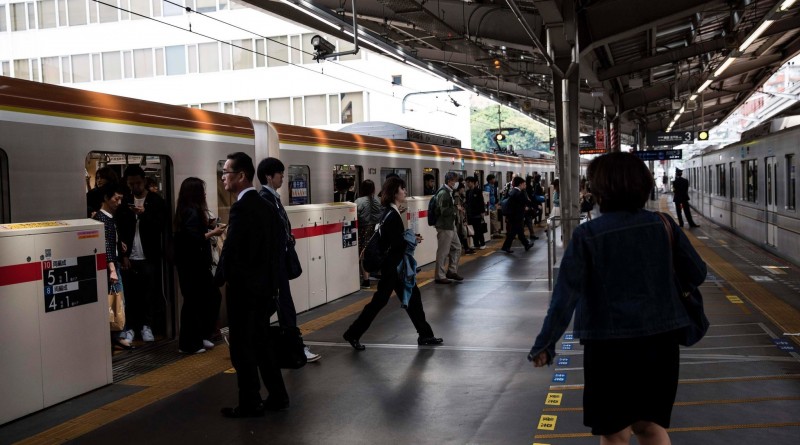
170, 379
783, 315
692, 403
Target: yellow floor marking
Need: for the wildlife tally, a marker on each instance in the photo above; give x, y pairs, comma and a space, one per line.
547, 422
693, 403
786, 317
553, 398
170, 379
699, 381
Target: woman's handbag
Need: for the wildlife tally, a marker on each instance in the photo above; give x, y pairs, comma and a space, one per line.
293, 267
372, 257
692, 300
470, 230
116, 307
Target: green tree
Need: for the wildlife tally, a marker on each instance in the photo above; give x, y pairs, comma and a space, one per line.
526, 133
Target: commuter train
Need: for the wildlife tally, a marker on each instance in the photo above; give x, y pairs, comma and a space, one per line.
750, 187
53, 139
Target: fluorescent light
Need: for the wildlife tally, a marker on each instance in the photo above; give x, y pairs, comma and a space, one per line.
311, 14
693, 96
683, 108
723, 67
756, 34
786, 5
705, 85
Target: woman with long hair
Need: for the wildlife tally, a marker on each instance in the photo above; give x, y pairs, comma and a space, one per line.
392, 232
201, 298
369, 213
618, 277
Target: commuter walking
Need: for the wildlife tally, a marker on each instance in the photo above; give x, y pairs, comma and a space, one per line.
681, 198
369, 210
491, 188
476, 209
143, 230
249, 265
515, 215
201, 298
617, 275
270, 175
394, 237
448, 250
460, 199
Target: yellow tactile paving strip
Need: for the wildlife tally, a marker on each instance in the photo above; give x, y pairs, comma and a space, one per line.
170, 379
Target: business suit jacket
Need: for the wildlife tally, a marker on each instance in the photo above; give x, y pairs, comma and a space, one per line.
248, 263
517, 200
681, 192
392, 239
287, 313
348, 196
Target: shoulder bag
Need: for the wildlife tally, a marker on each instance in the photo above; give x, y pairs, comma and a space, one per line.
293, 267
691, 299
372, 257
287, 344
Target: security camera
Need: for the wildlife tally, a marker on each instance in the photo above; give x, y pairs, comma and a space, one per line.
322, 47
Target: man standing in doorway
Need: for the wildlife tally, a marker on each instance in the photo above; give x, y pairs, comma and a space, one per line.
142, 229
515, 215
681, 198
249, 265
270, 175
449, 246
491, 188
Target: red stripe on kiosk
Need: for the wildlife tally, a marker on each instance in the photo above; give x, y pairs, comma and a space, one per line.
20, 273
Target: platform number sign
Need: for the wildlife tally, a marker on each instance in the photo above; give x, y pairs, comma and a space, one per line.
349, 234
69, 282
547, 422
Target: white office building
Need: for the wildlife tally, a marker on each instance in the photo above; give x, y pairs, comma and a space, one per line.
225, 57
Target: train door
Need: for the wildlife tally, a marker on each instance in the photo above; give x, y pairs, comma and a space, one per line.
430, 181
5, 212
346, 179
149, 283
731, 195
498, 176
479, 177
299, 183
771, 176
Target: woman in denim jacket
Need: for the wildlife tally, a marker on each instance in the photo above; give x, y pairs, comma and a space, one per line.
617, 276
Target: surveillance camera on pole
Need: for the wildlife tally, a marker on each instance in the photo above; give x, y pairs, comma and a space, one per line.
322, 47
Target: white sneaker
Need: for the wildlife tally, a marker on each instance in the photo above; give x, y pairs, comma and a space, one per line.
127, 335
147, 334
482, 247
207, 344
199, 351
310, 356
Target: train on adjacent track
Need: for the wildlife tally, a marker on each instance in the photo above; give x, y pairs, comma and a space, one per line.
53, 139
750, 187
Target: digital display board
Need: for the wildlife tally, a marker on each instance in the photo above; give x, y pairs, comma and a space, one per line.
69, 282
659, 155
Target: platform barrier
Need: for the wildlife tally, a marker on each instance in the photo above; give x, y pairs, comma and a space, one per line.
53, 314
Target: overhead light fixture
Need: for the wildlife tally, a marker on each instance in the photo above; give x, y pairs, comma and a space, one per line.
705, 85
311, 14
723, 67
693, 96
786, 5
756, 34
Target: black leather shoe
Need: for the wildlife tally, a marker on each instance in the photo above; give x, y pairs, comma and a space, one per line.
429, 341
241, 413
535, 237
275, 405
454, 276
507, 250
528, 246
354, 343
695, 225
443, 281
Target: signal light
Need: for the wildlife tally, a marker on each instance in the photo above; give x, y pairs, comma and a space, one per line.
496, 64
499, 137
702, 135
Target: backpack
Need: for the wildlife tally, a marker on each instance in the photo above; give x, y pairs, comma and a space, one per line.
432, 218
372, 257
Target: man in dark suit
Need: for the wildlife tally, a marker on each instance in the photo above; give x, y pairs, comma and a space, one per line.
270, 175
681, 198
343, 192
249, 264
515, 215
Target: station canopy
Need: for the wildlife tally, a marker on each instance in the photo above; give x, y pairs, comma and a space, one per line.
643, 62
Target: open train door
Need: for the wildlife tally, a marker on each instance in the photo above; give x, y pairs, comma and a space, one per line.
771, 170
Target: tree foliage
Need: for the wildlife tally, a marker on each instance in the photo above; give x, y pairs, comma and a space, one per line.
526, 134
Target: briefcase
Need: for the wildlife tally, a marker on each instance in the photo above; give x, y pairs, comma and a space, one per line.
287, 347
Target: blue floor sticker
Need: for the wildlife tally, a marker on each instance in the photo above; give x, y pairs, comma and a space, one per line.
563, 361
559, 377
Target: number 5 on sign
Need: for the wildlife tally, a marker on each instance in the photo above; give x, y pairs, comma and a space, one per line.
547, 422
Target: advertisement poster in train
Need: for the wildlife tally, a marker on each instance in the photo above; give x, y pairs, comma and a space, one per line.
299, 188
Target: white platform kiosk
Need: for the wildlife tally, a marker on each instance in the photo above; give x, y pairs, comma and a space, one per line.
53, 314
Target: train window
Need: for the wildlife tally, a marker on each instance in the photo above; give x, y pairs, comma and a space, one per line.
509, 176
498, 176
225, 199
732, 178
478, 174
299, 181
346, 179
461, 174
749, 180
721, 180
430, 180
710, 180
5, 213
790, 182
403, 173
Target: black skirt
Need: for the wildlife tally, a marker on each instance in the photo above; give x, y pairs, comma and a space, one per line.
629, 380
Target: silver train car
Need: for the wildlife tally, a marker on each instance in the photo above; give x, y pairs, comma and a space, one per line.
53, 139
750, 188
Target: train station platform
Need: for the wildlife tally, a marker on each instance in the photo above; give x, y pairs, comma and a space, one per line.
740, 384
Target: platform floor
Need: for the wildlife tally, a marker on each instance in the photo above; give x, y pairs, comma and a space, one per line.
740, 384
